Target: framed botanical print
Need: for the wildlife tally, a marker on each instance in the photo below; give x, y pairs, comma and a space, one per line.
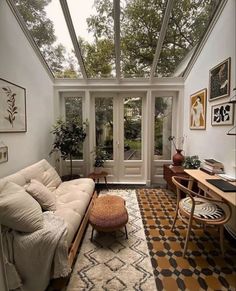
219, 85
12, 107
198, 109
222, 114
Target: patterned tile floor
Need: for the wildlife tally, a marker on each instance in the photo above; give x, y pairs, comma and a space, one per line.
204, 268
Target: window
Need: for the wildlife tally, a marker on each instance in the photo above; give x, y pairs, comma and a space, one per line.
104, 124
73, 109
162, 128
133, 128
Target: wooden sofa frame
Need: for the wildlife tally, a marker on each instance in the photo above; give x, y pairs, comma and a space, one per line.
79, 235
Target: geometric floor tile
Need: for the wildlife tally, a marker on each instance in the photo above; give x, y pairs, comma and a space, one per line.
203, 268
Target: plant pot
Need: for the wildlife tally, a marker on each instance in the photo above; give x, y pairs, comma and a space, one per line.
178, 158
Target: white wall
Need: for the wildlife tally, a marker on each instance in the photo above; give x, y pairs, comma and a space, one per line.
213, 142
20, 65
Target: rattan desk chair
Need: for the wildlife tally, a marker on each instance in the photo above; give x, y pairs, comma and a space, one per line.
204, 209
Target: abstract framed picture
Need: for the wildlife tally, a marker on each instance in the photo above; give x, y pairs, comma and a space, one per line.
222, 114
198, 109
220, 80
3, 154
12, 107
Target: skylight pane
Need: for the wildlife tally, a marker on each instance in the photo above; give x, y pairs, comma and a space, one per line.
140, 27
188, 23
94, 27
48, 28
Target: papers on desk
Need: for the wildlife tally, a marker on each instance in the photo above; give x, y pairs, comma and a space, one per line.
227, 177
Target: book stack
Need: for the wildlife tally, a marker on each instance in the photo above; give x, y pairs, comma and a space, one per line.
211, 166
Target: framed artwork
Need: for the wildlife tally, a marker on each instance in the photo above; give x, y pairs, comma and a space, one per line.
198, 109
220, 80
12, 107
222, 114
3, 154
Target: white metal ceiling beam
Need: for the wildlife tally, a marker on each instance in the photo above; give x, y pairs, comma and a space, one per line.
161, 38
73, 36
116, 6
28, 35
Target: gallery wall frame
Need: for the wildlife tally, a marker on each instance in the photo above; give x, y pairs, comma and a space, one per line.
3, 154
222, 114
12, 107
219, 80
198, 109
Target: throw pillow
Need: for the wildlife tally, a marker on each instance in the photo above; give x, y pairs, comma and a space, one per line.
18, 210
42, 194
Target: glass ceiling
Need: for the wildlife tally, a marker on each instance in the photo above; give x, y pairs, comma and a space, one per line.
93, 39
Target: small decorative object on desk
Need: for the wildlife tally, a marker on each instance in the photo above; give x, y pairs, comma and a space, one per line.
177, 158
191, 162
212, 167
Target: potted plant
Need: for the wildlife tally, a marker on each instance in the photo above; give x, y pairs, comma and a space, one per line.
191, 162
69, 135
100, 156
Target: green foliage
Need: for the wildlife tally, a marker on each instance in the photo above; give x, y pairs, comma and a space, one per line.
73, 108
100, 156
141, 23
132, 128
68, 137
42, 31
99, 57
191, 162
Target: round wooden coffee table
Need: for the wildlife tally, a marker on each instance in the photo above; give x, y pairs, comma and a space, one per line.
108, 214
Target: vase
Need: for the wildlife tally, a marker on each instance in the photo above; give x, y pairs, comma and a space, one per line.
178, 158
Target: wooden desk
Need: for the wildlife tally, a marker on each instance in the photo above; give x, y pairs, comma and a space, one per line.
201, 177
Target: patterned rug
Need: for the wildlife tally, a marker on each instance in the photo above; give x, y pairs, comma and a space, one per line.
204, 268
111, 262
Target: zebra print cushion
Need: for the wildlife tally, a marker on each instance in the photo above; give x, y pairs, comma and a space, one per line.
203, 208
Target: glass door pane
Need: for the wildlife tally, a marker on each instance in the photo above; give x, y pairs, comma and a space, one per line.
162, 128
104, 124
133, 128
73, 109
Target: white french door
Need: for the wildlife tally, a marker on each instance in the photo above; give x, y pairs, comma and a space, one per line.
119, 129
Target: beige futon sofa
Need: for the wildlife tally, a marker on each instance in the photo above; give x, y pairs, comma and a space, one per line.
69, 200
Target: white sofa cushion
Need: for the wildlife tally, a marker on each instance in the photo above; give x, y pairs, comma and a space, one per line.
72, 220
43, 172
42, 194
18, 210
83, 184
